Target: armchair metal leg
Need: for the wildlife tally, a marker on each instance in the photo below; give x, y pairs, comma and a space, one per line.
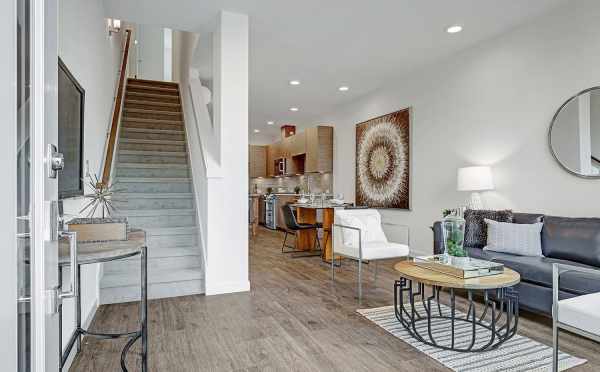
555, 346
375, 276
359, 280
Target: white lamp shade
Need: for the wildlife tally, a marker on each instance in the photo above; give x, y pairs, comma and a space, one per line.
474, 179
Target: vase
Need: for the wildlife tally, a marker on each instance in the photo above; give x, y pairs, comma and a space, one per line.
454, 238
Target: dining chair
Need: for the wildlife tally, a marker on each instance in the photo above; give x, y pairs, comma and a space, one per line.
293, 227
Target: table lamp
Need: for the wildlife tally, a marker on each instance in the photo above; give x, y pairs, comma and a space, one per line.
475, 179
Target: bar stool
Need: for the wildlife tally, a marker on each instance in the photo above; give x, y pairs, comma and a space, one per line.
97, 252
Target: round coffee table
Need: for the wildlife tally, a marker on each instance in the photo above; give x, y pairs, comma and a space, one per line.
500, 300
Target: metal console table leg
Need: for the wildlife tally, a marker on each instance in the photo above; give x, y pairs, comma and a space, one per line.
141, 333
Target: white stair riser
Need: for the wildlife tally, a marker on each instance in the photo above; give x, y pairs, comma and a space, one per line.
153, 172
164, 126
167, 241
161, 221
153, 136
155, 159
150, 106
152, 115
151, 147
151, 98
133, 203
155, 290
147, 187
132, 266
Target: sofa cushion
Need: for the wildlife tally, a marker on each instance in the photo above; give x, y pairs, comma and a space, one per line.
475, 227
573, 239
527, 218
538, 270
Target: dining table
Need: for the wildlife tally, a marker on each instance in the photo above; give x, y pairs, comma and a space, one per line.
307, 213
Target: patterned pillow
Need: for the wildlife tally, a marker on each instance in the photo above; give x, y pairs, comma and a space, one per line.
513, 238
475, 227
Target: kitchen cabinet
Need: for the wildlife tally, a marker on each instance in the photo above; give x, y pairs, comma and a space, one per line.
309, 151
319, 150
257, 161
273, 153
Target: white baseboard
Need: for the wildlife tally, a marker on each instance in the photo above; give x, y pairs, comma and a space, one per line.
227, 287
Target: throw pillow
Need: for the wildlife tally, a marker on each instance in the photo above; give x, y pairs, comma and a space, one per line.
517, 239
475, 227
370, 226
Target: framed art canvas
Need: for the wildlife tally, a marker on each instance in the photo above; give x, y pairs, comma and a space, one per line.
382, 161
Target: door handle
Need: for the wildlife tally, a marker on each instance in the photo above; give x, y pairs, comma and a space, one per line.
55, 161
72, 235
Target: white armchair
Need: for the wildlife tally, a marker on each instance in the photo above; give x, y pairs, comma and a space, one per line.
579, 314
358, 234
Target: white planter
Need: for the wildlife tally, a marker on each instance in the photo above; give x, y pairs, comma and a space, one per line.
458, 261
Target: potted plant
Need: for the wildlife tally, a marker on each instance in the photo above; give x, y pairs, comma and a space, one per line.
453, 226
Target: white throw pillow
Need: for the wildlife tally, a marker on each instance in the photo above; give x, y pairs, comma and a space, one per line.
514, 238
370, 226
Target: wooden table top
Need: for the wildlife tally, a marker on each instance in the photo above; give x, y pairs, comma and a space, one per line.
317, 205
409, 270
103, 251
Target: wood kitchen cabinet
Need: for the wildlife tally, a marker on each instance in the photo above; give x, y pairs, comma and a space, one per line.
319, 149
257, 161
273, 153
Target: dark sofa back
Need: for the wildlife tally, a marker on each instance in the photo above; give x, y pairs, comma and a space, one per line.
573, 239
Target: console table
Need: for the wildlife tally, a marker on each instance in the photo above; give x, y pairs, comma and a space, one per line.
499, 299
97, 252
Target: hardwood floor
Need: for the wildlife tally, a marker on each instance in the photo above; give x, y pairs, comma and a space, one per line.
294, 319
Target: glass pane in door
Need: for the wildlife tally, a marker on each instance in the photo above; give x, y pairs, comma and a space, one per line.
23, 184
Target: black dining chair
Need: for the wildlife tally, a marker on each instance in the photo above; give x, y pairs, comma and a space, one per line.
292, 227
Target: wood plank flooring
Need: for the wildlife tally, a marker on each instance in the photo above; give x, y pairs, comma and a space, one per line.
294, 319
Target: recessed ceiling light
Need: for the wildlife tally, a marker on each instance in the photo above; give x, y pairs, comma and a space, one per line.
343, 88
454, 29
294, 109
294, 82
256, 130
270, 122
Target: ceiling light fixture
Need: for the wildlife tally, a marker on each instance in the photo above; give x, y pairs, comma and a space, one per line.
294, 109
294, 82
256, 130
270, 122
454, 29
343, 88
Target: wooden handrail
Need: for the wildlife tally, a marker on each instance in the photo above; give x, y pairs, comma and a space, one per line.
112, 137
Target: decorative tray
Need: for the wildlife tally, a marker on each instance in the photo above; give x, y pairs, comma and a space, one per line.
464, 268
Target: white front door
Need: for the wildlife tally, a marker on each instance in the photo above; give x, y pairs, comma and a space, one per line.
36, 184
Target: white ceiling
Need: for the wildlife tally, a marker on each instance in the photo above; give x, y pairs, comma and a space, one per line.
329, 43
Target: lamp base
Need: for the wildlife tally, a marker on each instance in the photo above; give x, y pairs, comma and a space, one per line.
475, 202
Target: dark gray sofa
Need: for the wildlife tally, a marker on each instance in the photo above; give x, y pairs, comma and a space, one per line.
572, 241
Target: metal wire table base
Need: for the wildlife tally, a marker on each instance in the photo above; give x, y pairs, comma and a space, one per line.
502, 304
141, 333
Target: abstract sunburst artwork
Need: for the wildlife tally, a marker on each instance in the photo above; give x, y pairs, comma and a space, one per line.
382, 161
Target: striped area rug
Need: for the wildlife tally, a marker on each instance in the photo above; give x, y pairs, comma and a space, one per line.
517, 354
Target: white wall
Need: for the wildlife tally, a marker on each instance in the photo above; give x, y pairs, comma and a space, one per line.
219, 169
151, 52
491, 104
595, 123
93, 58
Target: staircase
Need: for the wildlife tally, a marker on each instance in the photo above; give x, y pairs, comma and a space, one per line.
155, 193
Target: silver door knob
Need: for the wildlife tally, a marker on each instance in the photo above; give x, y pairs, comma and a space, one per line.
55, 161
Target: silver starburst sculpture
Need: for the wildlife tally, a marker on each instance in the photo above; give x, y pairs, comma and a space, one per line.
100, 198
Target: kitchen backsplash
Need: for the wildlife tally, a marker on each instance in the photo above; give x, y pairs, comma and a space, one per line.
319, 182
